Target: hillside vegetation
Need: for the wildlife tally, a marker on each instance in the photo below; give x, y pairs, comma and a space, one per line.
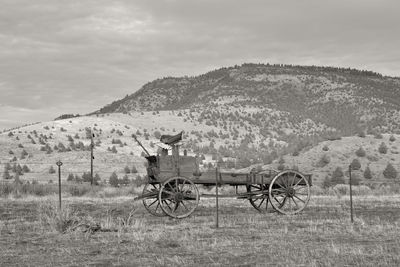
254, 115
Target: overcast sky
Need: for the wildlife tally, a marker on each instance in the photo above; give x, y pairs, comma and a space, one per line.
76, 56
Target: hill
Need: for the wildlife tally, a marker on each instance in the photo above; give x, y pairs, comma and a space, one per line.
249, 115
342, 100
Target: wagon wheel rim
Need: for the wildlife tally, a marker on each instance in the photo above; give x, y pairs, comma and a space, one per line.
178, 197
258, 197
151, 201
289, 192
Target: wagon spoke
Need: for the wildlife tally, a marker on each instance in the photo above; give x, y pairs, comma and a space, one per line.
158, 205
176, 206
294, 177
302, 178
183, 185
167, 204
183, 204
299, 199
262, 201
295, 202
153, 202
280, 203
168, 192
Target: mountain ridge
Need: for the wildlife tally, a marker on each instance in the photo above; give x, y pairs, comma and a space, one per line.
354, 99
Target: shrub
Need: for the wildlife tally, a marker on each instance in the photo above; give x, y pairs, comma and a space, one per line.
360, 152
325, 148
25, 169
70, 177
52, 170
127, 170
6, 174
134, 170
361, 134
390, 172
392, 138
327, 182
337, 176
157, 134
113, 180
324, 160
355, 164
367, 173
382, 148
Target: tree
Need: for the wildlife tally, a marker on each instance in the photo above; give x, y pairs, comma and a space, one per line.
114, 150
134, 170
25, 169
113, 180
382, 148
327, 182
127, 170
355, 164
367, 173
360, 152
355, 179
325, 148
337, 176
157, 134
52, 170
324, 160
70, 177
19, 170
6, 174
125, 180
390, 172
392, 138
96, 179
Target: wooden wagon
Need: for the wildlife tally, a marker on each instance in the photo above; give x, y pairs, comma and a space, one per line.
172, 189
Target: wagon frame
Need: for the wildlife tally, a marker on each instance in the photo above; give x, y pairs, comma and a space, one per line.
171, 188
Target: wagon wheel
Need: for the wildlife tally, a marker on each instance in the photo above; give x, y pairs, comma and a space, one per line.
258, 196
289, 192
178, 197
150, 199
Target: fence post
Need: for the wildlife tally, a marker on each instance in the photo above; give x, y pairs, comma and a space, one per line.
351, 196
59, 164
91, 156
216, 198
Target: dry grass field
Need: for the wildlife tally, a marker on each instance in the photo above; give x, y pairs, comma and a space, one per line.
117, 231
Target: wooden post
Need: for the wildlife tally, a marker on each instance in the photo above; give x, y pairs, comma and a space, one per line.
216, 198
91, 157
59, 164
351, 196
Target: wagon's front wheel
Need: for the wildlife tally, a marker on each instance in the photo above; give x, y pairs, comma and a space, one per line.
150, 199
178, 197
289, 192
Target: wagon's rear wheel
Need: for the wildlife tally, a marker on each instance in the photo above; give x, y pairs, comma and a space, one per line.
150, 199
289, 192
178, 197
258, 196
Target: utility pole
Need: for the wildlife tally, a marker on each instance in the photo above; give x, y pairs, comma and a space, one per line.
91, 156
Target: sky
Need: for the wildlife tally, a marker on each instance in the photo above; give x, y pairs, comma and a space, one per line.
76, 56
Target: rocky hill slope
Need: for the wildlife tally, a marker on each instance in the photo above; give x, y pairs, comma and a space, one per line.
341, 100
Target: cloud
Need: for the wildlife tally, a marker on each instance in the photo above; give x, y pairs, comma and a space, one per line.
82, 55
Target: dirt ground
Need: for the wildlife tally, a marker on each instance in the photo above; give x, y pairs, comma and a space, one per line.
322, 235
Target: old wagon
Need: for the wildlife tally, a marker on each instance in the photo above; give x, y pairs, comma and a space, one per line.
172, 188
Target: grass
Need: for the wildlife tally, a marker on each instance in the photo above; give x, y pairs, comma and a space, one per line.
320, 236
